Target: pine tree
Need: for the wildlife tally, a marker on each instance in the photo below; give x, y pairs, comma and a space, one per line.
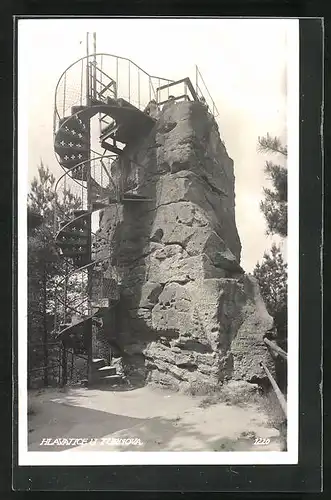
40, 257
272, 277
274, 205
45, 268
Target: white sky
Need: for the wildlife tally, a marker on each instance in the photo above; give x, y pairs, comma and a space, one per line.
243, 62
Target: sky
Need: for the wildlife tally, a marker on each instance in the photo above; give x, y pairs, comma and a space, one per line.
243, 62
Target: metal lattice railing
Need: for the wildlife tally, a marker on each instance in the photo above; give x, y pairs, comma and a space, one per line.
130, 82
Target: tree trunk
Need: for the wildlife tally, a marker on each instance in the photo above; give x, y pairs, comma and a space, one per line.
64, 366
45, 326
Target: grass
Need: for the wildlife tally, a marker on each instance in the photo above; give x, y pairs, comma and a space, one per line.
201, 389
268, 402
232, 394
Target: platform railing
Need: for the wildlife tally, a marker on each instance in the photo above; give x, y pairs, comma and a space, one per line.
203, 92
115, 76
130, 82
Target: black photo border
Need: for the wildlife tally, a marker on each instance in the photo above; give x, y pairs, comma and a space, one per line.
304, 477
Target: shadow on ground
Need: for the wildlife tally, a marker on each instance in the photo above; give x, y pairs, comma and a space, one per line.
61, 420
162, 434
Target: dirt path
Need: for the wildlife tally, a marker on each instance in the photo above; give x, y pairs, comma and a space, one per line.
156, 420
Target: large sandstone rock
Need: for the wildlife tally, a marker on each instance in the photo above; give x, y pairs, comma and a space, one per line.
188, 314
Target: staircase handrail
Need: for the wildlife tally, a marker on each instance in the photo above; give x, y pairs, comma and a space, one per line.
56, 112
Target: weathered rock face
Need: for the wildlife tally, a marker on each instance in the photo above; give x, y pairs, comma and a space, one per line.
188, 314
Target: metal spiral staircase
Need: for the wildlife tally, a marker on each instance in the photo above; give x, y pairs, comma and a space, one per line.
86, 149
102, 104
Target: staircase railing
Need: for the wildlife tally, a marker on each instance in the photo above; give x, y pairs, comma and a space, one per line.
133, 83
76, 276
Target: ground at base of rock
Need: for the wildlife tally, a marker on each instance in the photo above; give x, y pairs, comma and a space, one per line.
145, 419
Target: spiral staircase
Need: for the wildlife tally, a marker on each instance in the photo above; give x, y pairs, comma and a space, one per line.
87, 175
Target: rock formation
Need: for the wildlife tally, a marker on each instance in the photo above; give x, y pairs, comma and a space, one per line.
188, 315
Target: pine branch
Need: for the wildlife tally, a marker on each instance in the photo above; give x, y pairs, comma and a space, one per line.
269, 144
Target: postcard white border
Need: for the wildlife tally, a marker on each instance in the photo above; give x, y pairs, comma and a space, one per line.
290, 456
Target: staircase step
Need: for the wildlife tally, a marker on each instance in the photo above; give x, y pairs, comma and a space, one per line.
98, 363
133, 196
99, 311
110, 147
70, 132
72, 233
105, 371
108, 380
111, 379
99, 205
69, 148
73, 253
78, 212
71, 241
76, 328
